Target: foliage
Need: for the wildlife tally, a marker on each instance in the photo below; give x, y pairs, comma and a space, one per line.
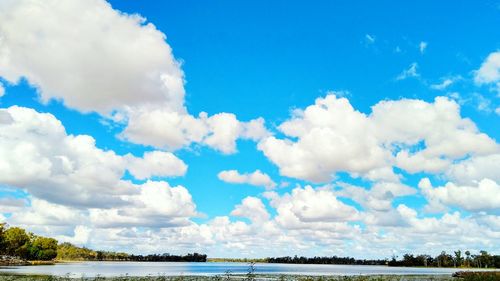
482, 260
325, 260
17, 242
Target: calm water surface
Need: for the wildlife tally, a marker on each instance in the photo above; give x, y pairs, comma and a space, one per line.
91, 269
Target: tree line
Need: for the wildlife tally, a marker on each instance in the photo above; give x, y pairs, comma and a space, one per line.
17, 242
481, 260
458, 259
325, 260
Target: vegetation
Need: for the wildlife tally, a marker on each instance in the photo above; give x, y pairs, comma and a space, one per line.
481, 260
16, 242
325, 260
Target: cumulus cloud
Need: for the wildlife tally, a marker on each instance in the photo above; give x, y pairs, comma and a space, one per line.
475, 169
69, 53
308, 207
489, 72
80, 60
37, 155
256, 178
483, 195
379, 197
331, 136
157, 205
155, 163
252, 208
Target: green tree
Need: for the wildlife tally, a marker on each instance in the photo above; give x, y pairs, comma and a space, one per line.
467, 259
16, 242
43, 248
2, 238
458, 259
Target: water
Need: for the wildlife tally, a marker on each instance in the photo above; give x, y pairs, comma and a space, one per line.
91, 269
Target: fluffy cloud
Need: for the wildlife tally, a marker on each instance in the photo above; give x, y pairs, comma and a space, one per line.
484, 195
79, 59
489, 72
379, 197
37, 155
156, 163
331, 136
256, 178
310, 208
171, 130
157, 205
475, 169
68, 51
252, 208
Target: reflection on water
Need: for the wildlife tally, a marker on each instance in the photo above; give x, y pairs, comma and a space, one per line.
91, 269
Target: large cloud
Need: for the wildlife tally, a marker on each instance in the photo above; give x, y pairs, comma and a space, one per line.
484, 195
90, 56
331, 136
37, 155
96, 59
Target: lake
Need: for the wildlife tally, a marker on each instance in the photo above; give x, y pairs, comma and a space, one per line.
91, 269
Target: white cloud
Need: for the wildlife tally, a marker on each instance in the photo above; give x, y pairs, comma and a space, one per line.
157, 205
422, 46
68, 51
310, 208
484, 195
331, 136
171, 130
475, 169
379, 197
37, 155
256, 178
446, 82
252, 208
156, 163
489, 72
410, 72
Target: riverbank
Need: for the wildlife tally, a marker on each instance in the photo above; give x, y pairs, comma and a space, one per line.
240, 277
12, 261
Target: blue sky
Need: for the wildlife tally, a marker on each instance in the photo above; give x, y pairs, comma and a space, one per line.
401, 123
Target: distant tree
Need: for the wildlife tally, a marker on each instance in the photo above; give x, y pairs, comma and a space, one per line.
458, 259
467, 259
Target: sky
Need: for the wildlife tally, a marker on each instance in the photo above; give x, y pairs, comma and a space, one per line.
252, 128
